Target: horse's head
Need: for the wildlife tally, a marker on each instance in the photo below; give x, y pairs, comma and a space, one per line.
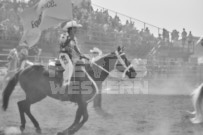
116, 60
123, 64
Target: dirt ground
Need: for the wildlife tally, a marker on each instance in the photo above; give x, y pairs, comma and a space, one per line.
123, 115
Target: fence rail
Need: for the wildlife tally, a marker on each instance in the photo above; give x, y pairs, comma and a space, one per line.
189, 71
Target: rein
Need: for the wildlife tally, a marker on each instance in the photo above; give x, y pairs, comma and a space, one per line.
123, 63
120, 60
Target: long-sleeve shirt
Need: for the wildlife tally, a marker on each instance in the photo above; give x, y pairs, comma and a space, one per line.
70, 47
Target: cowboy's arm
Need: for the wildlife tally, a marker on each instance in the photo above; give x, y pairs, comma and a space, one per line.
77, 50
75, 47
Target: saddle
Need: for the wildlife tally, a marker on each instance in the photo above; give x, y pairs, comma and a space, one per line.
55, 68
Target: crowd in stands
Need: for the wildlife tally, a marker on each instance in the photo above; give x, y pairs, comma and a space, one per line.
186, 39
99, 27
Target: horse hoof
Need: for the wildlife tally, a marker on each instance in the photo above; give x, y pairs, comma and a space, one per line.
71, 131
38, 130
60, 133
22, 128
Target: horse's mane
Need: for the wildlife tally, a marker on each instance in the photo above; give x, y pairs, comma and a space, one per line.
88, 66
101, 57
38, 67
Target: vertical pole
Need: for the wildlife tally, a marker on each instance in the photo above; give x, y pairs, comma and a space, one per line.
97, 103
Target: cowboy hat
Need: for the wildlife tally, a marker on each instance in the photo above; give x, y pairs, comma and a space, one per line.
71, 24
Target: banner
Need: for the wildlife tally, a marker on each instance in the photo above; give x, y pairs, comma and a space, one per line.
43, 15
31, 20
54, 12
30, 37
198, 48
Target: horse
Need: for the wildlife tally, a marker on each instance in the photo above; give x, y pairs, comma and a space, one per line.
13, 64
197, 96
38, 82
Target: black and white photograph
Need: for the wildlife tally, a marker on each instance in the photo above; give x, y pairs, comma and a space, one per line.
101, 67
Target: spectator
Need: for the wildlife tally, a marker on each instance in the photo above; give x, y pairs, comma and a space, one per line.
165, 35
184, 37
174, 35
147, 31
190, 39
116, 22
159, 38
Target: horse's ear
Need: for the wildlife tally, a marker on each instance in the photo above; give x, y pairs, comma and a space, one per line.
120, 49
123, 48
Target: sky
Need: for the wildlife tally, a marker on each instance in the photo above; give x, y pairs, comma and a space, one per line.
169, 14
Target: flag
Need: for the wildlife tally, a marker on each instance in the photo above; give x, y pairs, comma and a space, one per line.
30, 37
198, 48
43, 15
54, 12
31, 20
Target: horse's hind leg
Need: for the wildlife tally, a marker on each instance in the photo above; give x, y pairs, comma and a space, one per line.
34, 121
24, 107
22, 114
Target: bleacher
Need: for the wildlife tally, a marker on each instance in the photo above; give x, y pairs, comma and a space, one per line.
104, 34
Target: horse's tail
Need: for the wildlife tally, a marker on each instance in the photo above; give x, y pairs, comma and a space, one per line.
197, 97
9, 89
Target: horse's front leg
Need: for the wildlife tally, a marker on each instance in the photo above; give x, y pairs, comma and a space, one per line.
78, 116
77, 126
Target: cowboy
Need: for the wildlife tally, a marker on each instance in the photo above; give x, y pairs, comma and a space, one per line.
69, 51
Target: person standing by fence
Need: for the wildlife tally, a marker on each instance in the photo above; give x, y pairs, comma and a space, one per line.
190, 41
184, 37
